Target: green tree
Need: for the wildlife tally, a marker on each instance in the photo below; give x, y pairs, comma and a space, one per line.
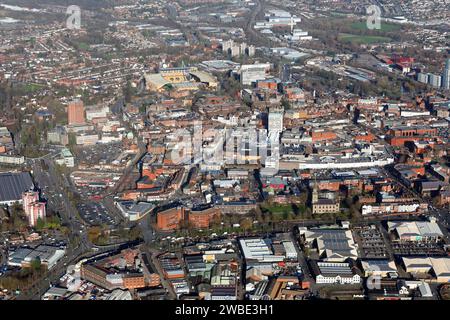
36, 264
40, 224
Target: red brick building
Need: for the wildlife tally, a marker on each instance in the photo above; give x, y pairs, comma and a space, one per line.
203, 218
75, 112
170, 219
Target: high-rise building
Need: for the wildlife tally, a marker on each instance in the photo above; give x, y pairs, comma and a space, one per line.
446, 76
75, 112
422, 77
434, 80
33, 208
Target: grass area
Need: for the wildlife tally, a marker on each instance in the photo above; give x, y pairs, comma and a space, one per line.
385, 26
31, 87
82, 45
277, 208
356, 39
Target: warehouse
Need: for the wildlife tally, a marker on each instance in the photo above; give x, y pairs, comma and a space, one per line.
12, 185
416, 230
438, 267
380, 268
289, 247
333, 244
47, 255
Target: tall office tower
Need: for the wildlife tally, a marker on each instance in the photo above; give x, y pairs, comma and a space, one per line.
75, 112
446, 76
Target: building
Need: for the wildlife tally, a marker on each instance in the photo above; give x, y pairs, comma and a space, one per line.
203, 218
258, 250
134, 281
6, 140
120, 271
335, 245
275, 121
335, 273
12, 160
95, 112
67, 159
75, 112
434, 80
251, 73
13, 185
291, 252
380, 268
322, 205
87, 139
58, 135
439, 267
423, 77
134, 211
233, 49
33, 208
170, 219
48, 255
446, 76
416, 230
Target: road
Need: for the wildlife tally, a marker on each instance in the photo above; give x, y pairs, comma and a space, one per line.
157, 267
440, 213
51, 185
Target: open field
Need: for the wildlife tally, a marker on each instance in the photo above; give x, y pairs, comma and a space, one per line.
385, 26
356, 39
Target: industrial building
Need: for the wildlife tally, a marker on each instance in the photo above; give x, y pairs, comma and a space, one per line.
332, 244
438, 267
416, 230
47, 255
12, 185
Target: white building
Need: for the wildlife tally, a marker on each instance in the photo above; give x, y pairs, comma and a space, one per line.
96, 112
87, 139
424, 265
276, 121
259, 250
66, 159
335, 273
380, 268
416, 230
250, 73
291, 253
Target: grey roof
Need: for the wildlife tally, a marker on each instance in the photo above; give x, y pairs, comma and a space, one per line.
335, 243
12, 185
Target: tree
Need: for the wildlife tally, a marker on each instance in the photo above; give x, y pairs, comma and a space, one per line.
40, 224
246, 224
36, 264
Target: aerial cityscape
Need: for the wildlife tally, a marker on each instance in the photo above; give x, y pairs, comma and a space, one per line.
230, 150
